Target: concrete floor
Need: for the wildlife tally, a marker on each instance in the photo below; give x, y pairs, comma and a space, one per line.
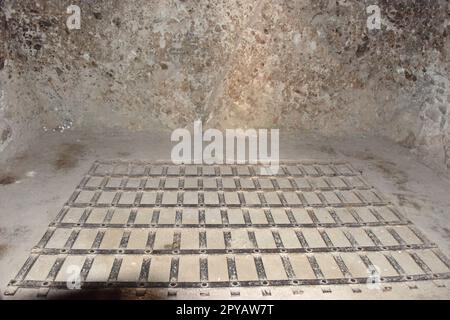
35, 183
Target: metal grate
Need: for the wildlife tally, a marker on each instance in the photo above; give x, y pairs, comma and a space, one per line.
141, 225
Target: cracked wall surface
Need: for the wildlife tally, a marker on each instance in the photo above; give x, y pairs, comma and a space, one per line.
304, 64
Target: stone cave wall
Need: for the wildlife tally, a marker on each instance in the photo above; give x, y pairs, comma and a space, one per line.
294, 64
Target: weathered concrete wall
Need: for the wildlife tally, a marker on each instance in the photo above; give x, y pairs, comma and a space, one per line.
308, 64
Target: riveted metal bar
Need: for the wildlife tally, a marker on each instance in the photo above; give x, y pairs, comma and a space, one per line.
214, 226
219, 183
221, 199
98, 239
159, 196
221, 284
237, 182
335, 217
257, 184
181, 183
113, 275
132, 217
180, 198
315, 267
252, 238
241, 198
150, 241
419, 234
399, 216
373, 237
45, 239
361, 198
284, 170
291, 217
222, 204
246, 216
269, 217
260, 270
377, 215
342, 266
26, 267
85, 216
123, 183
142, 183
290, 273
313, 217
227, 239
178, 217
104, 184
301, 238
73, 197
93, 169
283, 200
274, 183
145, 269
236, 250
138, 199
368, 263
351, 239
394, 263
62, 213
326, 238
224, 217
396, 236
203, 240
86, 268
176, 240
124, 241
442, 257
322, 199
262, 199
201, 199
277, 239
302, 198
231, 266
72, 238
202, 217
115, 201
204, 270
155, 217
420, 262
174, 267
109, 216
355, 215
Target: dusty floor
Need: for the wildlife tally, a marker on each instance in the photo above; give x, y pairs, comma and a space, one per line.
36, 183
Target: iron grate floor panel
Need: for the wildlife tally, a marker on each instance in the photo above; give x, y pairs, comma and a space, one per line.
142, 225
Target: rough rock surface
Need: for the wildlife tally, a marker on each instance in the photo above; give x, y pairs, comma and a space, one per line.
298, 64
